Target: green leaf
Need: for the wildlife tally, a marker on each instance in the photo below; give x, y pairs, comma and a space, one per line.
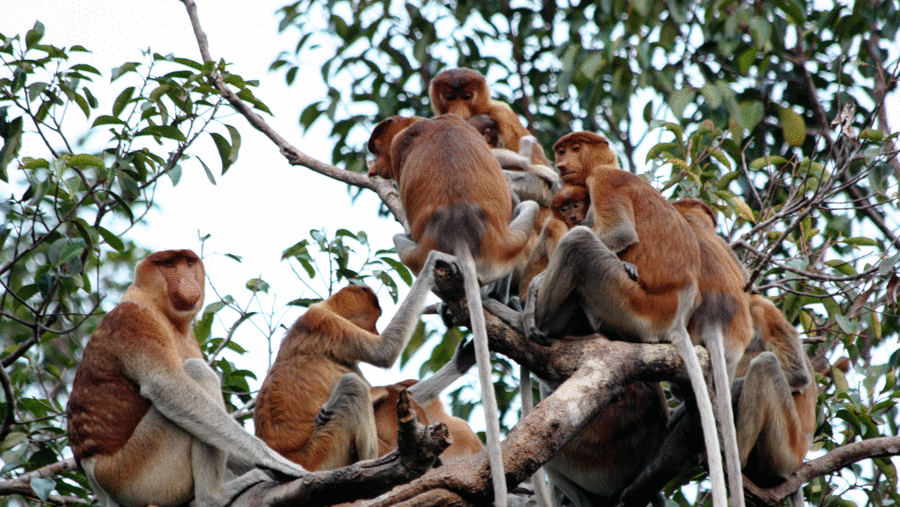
122, 100
162, 131
761, 162
42, 487
209, 173
751, 113
793, 125
107, 120
860, 241
224, 149
258, 285
125, 68
111, 239
84, 159
680, 99
31, 39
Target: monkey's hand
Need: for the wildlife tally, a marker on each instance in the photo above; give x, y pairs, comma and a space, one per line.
464, 358
631, 270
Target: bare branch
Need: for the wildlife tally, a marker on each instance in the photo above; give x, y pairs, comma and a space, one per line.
384, 188
833, 461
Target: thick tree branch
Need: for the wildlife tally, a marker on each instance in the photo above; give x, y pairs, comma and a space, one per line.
384, 188
418, 449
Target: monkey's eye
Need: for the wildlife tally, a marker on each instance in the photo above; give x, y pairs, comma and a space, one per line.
466, 96
575, 148
170, 265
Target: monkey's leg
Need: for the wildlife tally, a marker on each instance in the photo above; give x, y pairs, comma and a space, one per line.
767, 418
345, 427
581, 263
483, 360
208, 462
713, 340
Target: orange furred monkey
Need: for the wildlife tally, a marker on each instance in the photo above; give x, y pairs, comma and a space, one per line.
314, 406
774, 396
632, 223
147, 422
465, 93
456, 200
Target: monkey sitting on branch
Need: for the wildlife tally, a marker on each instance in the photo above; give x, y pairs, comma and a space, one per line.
457, 201
316, 408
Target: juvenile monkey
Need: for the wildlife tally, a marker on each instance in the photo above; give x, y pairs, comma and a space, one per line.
570, 204
465, 93
510, 160
147, 422
457, 201
314, 407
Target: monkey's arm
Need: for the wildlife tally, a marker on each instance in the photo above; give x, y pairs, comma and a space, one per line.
511, 160
428, 389
156, 367
793, 359
613, 221
397, 333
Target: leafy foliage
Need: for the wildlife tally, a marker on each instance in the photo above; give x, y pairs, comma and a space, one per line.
771, 112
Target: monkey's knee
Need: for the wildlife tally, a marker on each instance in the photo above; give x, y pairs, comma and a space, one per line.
348, 398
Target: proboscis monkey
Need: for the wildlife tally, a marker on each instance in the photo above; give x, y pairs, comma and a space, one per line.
774, 398
570, 204
457, 201
465, 442
569, 207
510, 160
314, 407
632, 223
465, 93
147, 422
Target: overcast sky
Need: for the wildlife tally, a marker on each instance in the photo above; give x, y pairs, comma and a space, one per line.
262, 205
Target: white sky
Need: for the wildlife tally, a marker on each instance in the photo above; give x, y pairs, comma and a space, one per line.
262, 205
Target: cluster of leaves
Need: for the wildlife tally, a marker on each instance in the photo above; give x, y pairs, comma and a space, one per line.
65, 249
771, 112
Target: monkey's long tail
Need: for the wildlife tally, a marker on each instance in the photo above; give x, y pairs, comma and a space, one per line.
685, 349
483, 359
713, 339
541, 492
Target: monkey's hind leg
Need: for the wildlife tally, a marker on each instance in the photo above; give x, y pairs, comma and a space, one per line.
208, 462
345, 426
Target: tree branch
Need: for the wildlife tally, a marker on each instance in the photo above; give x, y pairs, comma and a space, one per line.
833, 461
384, 188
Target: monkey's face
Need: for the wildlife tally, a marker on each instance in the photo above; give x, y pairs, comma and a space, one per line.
380, 144
573, 212
569, 163
176, 280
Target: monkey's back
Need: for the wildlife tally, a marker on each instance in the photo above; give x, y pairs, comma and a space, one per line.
446, 171
667, 254
105, 405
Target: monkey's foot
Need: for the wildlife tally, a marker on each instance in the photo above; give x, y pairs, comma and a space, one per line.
631, 270
509, 316
537, 336
322, 417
